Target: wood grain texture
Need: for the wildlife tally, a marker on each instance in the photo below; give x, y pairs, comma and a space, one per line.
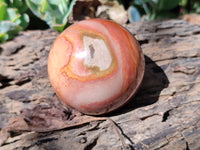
165, 113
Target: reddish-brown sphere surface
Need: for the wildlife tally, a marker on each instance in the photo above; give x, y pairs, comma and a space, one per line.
95, 66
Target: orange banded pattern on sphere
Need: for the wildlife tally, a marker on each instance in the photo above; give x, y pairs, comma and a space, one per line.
95, 66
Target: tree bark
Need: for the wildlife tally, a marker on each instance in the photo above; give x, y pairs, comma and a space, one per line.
165, 113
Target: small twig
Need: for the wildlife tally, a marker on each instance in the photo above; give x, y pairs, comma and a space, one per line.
118, 131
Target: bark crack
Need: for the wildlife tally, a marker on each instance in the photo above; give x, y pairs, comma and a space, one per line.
146, 117
92, 144
166, 115
177, 57
187, 146
127, 143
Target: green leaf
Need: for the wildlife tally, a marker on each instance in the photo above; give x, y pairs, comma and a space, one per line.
2, 10
34, 5
54, 12
19, 4
58, 27
69, 10
3, 37
8, 29
8, 26
12, 14
11, 18
23, 21
43, 7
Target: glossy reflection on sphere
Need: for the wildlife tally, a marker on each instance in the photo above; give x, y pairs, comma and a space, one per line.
95, 66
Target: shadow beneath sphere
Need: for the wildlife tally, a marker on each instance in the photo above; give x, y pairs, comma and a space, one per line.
154, 81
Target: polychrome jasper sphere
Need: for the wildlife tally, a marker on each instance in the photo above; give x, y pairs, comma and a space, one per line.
95, 66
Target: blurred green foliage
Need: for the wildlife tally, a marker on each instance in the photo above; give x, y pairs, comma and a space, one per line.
161, 9
157, 8
12, 18
54, 12
190, 6
15, 15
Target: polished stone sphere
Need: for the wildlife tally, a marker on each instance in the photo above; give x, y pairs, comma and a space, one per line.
95, 66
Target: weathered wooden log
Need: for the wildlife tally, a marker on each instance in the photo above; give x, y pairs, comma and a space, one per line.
165, 113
